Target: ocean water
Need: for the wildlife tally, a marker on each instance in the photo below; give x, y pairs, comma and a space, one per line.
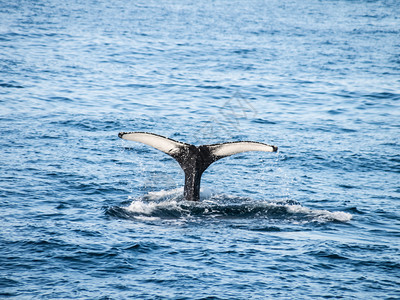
86, 215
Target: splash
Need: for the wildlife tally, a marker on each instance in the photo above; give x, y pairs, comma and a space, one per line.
171, 205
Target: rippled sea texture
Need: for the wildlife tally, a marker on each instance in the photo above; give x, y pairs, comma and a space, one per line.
87, 215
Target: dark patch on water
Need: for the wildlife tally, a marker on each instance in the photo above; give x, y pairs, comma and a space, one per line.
11, 85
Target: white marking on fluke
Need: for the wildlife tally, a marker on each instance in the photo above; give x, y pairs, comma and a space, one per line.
192, 159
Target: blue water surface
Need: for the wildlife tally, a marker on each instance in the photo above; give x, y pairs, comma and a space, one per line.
86, 215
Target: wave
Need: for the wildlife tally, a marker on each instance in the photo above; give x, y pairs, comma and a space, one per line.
171, 205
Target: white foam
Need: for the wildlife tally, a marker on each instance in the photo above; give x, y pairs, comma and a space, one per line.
147, 208
141, 207
320, 214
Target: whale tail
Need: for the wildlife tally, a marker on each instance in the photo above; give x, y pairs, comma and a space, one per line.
192, 159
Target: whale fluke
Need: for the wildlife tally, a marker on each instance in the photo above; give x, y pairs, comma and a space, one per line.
194, 160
